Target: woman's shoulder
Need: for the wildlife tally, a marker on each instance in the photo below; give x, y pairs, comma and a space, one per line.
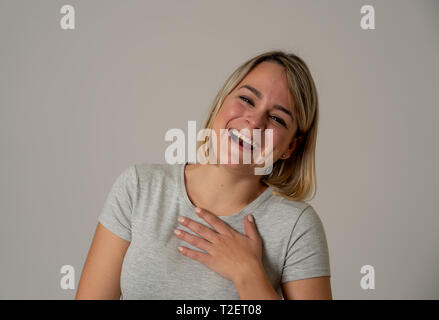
281, 201
155, 172
289, 208
300, 215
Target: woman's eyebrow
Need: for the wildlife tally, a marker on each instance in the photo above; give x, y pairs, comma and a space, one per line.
258, 94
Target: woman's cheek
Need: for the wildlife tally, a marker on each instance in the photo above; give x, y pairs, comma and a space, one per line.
234, 110
277, 141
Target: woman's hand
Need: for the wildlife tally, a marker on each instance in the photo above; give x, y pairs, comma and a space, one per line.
229, 253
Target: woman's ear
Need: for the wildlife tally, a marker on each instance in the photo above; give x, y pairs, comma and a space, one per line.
299, 140
293, 146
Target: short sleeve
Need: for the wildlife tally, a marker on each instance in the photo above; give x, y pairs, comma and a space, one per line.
307, 253
117, 211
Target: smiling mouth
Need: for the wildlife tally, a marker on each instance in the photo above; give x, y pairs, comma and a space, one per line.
243, 142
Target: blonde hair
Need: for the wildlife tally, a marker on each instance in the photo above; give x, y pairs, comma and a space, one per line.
292, 178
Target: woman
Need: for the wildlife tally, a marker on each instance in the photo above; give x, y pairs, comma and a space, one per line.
255, 237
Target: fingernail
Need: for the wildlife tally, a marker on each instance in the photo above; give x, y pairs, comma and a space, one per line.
181, 219
198, 210
177, 232
250, 218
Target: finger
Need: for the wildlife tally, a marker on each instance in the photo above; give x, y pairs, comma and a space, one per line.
219, 225
199, 228
250, 228
196, 255
193, 240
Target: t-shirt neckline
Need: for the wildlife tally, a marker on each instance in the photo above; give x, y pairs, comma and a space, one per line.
246, 210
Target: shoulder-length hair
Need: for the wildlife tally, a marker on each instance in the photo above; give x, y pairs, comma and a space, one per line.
293, 178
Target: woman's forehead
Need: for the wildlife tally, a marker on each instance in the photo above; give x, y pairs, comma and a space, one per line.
268, 79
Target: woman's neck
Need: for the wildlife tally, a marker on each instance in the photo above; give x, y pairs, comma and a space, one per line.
222, 190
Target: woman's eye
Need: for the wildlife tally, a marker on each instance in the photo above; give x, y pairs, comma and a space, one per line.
277, 119
281, 121
246, 100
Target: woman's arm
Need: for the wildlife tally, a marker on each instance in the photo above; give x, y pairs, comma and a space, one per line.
100, 277
318, 288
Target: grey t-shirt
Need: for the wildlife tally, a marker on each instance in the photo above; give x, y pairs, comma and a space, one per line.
143, 206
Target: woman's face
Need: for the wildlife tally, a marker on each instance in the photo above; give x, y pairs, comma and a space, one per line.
260, 101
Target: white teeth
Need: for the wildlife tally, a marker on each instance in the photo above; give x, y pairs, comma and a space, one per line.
244, 138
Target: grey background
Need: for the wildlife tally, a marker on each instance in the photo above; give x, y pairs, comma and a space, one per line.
79, 106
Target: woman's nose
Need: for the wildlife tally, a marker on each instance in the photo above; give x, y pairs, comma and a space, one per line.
256, 121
